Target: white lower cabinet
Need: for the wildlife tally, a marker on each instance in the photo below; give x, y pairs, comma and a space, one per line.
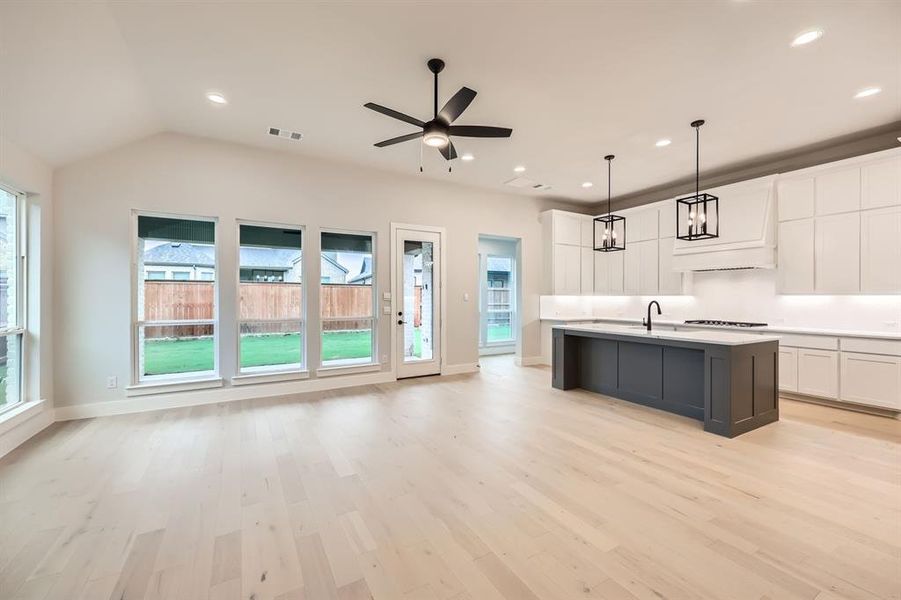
818, 372
872, 379
788, 369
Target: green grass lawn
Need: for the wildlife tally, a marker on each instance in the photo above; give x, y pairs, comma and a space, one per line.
498, 333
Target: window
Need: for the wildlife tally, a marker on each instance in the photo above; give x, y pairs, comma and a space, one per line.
497, 300
271, 301
175, 327
346, 299
156, 274
12, 326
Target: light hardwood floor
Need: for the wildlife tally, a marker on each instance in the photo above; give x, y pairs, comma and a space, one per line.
470, 487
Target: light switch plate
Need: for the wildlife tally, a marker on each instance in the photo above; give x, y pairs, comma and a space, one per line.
386, 310
386, 295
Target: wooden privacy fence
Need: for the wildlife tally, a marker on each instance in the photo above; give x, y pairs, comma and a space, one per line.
193, 300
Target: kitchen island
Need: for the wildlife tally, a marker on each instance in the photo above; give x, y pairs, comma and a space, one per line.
726, 379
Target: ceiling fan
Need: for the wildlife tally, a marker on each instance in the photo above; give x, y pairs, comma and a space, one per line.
438, 131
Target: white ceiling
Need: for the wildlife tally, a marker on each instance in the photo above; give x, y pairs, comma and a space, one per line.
575, 81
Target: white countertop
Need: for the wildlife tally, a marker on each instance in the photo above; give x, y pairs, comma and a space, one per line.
706, 336
776, 329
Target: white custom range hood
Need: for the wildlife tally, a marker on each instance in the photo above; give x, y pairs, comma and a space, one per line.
747, 240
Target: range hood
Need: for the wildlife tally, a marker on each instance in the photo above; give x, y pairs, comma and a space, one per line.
747, 240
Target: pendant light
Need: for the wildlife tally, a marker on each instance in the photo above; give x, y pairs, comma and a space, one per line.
609, 229
698, 216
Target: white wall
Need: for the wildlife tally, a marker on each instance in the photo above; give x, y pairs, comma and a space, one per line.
180, 174
24, 172
743, 296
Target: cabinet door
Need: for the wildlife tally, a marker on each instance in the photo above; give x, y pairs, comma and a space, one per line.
818, 372
837, 253
667, 220
670, 281
838, 191
788, 369
648, 257
796, 198
616, 272
632, 269
567, 270
641, 225
586, 278
588, 232
881, 184
880, 251
602, 273
871, 379
795, 257
567, 228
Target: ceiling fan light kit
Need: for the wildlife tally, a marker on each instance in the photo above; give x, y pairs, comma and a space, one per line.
609, 233
698, 215
437, 133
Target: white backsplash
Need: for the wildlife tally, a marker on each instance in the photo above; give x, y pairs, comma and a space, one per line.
742, 296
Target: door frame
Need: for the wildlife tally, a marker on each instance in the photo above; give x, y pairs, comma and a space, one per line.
442, 278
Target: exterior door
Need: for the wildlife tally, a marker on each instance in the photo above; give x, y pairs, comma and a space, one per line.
417, 305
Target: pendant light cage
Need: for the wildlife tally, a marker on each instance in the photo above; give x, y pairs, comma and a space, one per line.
698, 215
609, 230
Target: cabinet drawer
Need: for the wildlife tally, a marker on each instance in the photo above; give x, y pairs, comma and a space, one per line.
819, 342
818, 373
871, 379
871, 346
788, 369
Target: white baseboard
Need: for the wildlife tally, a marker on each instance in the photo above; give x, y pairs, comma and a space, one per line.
528, 361
30, 420
215, 396
493, 350
460, 369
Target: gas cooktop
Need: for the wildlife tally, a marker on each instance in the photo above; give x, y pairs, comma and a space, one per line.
724, 323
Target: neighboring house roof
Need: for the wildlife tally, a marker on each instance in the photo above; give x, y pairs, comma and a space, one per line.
180, 254
272, 259
497, 263
329, 257
365, 271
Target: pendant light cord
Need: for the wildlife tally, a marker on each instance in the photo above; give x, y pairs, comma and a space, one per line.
609, 175
697, 160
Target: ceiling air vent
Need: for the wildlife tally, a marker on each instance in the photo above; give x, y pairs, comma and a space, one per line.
286, 134
526, 183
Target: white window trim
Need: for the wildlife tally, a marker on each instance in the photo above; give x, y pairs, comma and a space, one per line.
325, 370
19, 328
266, 373
176, 381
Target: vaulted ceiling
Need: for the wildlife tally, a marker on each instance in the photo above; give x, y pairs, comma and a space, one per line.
575, 80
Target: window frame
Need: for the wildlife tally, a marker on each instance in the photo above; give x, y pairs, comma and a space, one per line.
374, 319
137, 268
20, 327
303, 318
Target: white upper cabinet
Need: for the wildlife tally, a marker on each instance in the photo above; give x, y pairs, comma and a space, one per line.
796, 198
838, 191
567, 270
586, 280
567, 228
880, 251
670, 281
667, 220
881, 184
795, 256
616, 272
588, 232
642, 225
641, 268
837, 254
632, 269
602, 273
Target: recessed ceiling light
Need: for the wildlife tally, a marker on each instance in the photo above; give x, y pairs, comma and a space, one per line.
663, 142
806, 37
216, 98
867, 92
467, 157
519, 169
587, 184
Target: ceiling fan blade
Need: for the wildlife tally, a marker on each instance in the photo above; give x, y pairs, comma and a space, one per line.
399, 139
448, 152
456, 105
480, 131
394, 114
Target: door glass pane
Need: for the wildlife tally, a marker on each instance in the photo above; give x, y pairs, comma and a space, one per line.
419, 298
499, 307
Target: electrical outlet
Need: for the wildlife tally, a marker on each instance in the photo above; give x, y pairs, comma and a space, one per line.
386, 309
112, 382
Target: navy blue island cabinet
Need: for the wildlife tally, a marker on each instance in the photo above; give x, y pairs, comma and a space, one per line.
727, 380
